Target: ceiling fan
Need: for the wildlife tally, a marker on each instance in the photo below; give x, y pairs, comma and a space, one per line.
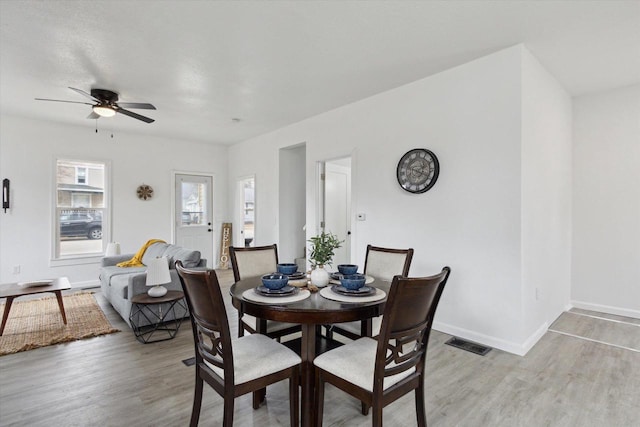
106, 104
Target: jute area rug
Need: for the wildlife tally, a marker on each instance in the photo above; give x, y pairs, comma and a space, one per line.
38, 323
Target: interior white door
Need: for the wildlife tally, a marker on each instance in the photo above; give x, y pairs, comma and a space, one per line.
194, 214
337, 206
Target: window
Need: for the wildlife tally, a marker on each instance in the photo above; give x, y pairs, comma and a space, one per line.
81, 175
194, 203
80, 207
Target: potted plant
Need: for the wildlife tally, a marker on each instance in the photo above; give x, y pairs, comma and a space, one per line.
321, 254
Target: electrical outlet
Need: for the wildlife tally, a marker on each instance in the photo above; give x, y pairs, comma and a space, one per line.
537, 294
16, 269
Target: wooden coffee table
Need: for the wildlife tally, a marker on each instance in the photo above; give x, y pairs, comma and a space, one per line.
12, 291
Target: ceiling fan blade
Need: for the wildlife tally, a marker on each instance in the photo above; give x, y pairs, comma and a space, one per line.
83, 93
134, 115
93, 115
61, 100
142, 106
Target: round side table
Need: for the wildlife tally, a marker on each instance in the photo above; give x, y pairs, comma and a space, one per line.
149, 316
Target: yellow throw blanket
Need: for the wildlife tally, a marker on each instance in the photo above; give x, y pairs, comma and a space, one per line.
136, 261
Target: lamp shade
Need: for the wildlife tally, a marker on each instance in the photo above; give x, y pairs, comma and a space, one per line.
113, 249
158, 272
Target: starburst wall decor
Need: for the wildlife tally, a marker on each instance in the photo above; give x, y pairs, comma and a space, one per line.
145, 192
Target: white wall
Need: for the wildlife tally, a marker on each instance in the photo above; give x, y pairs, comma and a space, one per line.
606, 218
28, 150
546, 198
470, 117
291, 207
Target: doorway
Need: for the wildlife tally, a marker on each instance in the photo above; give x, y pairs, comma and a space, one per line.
335, 212
193, 210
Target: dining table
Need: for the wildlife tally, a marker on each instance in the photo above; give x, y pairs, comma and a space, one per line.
310, 310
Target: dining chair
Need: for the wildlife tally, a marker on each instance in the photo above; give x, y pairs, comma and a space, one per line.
256, 261
384, 264
379, 371
232, 367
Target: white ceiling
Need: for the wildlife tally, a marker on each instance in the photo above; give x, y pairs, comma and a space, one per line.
275, 63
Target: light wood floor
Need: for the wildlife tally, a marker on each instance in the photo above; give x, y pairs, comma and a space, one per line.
115, 381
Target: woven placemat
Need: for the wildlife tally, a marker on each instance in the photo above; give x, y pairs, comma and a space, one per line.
38, 323
251, 295
329, 294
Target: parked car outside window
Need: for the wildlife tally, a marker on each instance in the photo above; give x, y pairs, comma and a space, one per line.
81, 224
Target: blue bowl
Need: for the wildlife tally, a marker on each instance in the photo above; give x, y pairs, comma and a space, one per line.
288, 268
348, 268
275, 281
353, 281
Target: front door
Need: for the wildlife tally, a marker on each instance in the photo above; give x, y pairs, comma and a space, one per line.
194, 214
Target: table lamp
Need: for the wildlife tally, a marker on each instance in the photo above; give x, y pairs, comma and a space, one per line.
113, 249
157, 275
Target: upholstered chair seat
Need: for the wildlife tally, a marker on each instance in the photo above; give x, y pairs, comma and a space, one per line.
355, 363
256, 356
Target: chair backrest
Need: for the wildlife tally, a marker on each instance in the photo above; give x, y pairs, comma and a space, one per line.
385, 263
209, 321
251, 262
406, 324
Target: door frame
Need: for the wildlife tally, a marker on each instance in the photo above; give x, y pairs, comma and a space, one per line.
214, 222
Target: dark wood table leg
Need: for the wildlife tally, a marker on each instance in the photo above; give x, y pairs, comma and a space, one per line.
308, 353
61, 305
366, 328
5, 315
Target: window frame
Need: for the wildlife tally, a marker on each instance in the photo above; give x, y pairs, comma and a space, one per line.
85, 258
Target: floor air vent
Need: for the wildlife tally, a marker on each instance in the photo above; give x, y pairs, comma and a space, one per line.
469, 346
190, 361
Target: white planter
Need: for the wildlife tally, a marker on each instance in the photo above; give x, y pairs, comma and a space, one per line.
319, 276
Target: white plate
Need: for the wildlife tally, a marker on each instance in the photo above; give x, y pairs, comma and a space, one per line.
36, 283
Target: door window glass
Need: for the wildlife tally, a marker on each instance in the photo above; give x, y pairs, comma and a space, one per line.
194, 204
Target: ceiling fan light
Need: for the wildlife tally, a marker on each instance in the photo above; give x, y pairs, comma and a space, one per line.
104, 111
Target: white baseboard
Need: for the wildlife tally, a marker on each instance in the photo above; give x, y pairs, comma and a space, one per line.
519, 349
618, 311
534, 338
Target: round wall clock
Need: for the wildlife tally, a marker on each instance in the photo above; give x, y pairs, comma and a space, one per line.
418, 170
144, 192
